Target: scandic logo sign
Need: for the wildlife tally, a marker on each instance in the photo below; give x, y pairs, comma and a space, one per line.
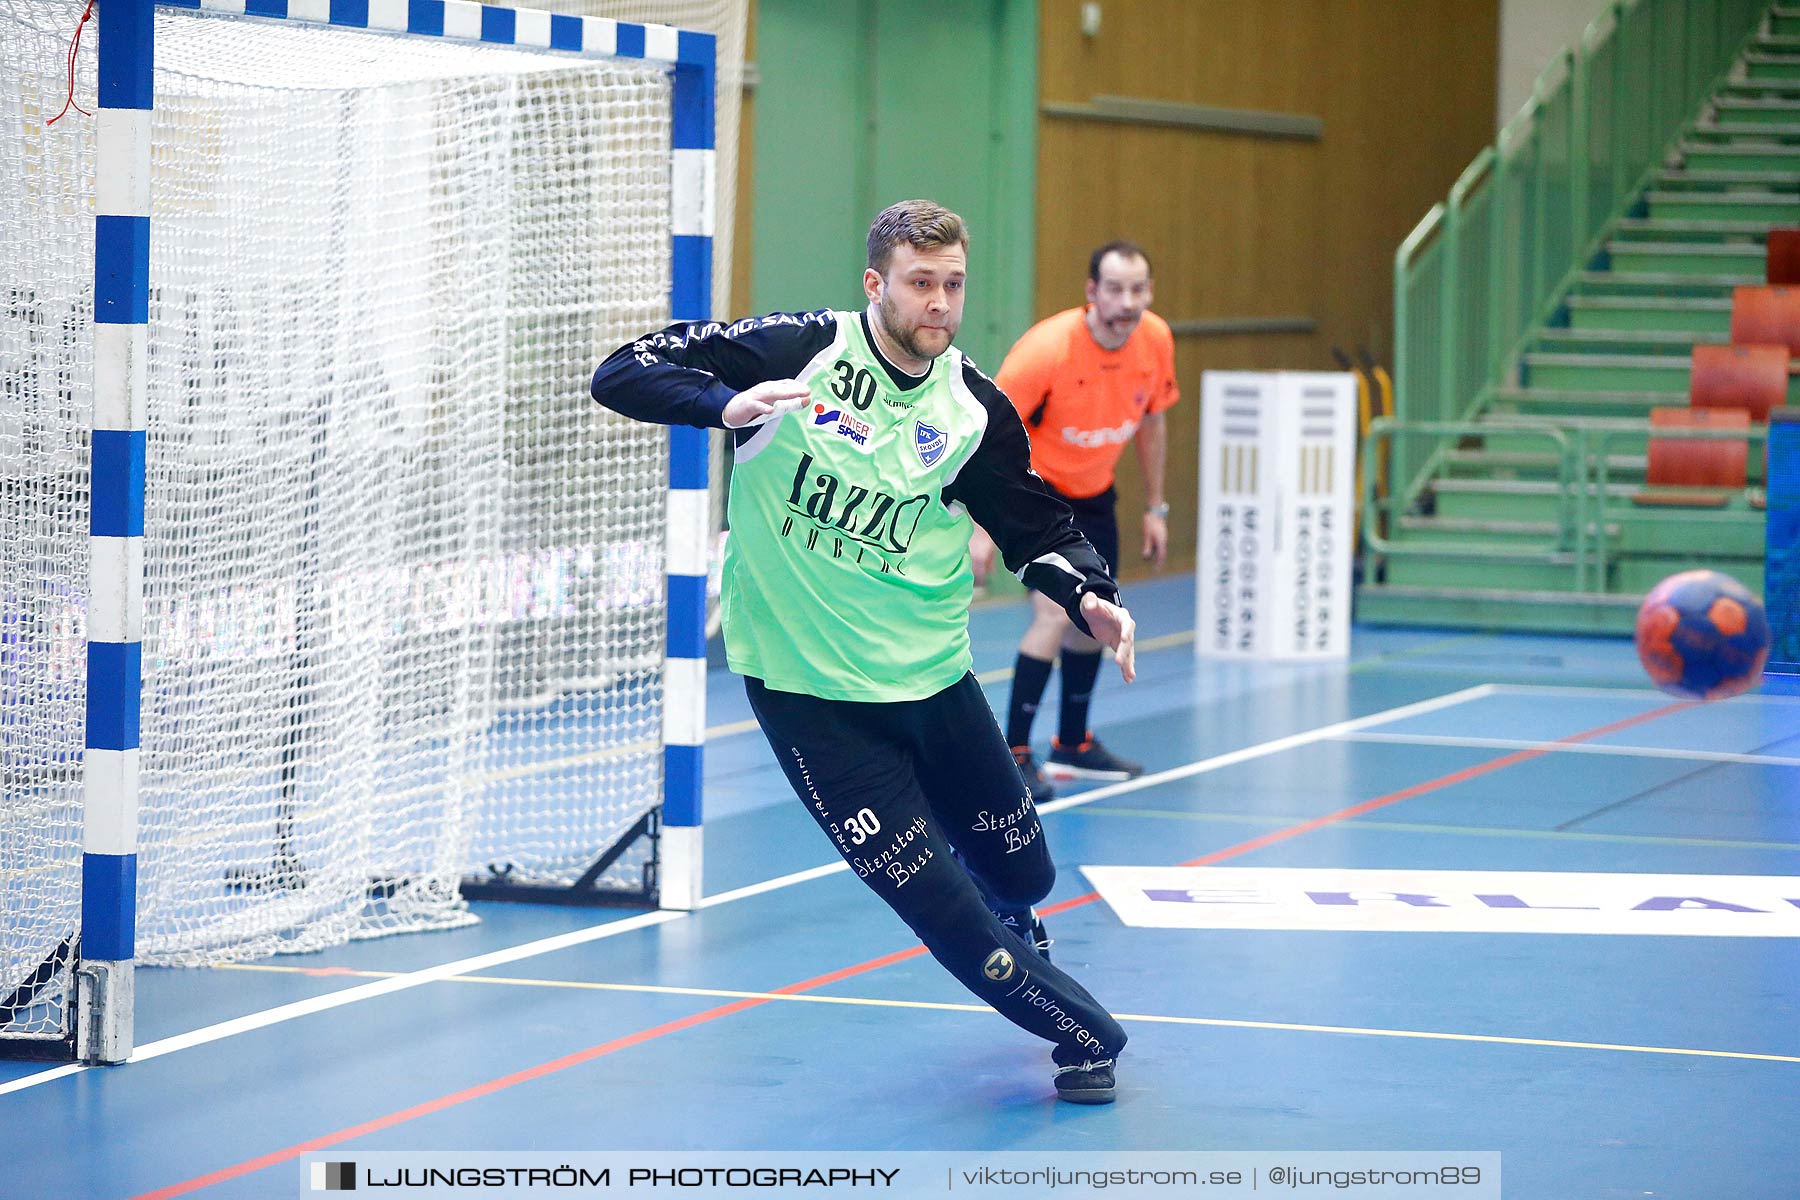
334, 1177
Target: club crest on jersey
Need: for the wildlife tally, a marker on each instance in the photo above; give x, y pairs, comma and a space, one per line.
844, 425
929, 442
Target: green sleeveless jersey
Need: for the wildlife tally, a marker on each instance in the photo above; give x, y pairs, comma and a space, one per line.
847, 572
846, 576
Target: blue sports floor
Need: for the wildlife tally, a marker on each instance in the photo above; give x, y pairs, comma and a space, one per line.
1662, 1061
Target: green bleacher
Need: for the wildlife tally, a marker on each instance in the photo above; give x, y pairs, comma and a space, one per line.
1553, 302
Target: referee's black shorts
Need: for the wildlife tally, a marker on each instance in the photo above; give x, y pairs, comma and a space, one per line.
1097, 517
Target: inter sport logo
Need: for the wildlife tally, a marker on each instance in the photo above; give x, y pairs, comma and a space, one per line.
851, 429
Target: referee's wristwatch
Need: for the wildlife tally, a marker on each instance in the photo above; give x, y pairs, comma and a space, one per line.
1157, 510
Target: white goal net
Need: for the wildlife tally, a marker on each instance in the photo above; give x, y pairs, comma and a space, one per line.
403, 612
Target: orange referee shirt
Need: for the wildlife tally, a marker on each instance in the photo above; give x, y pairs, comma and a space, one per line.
1081, 403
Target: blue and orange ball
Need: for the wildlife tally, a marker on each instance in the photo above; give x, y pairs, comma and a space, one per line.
1702, 636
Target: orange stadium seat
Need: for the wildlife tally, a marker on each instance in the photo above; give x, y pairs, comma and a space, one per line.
1781, 259
1751, 377
1766, 316
1695, 472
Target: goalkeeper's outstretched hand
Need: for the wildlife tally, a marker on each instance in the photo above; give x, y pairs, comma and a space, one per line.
764, 402
1112, 626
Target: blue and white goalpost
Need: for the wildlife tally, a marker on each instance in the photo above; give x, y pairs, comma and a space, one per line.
115, 612
411, 608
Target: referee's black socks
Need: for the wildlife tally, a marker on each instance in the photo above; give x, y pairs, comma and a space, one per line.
1078, 674
1030, 677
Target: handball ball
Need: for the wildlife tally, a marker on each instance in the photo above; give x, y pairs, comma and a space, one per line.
1701, 635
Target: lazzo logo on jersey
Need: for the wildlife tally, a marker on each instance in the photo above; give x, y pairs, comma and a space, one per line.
843, 514
847, 427
929, 442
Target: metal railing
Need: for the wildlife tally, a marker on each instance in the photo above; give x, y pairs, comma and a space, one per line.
1593, 440
1381, 513
1485, 268
1582, 471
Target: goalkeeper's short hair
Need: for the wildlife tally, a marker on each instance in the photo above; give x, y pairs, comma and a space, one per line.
922, 224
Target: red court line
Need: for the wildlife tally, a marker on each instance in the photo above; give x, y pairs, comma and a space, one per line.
1432, 785
328, 1140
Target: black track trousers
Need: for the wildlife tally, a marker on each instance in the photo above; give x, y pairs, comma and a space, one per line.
896, 786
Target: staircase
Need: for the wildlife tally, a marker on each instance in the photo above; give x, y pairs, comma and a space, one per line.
1519, 449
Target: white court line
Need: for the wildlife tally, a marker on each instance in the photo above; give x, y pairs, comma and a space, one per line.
1291, 742
997, 675
1485, 743
367, 991
400, 983
1217, 762
770, 885
1534, 689
54, 1073
1214, 1022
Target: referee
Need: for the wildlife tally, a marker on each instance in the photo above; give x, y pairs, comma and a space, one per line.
1086, 381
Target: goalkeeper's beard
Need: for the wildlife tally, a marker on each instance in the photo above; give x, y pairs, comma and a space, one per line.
906, 336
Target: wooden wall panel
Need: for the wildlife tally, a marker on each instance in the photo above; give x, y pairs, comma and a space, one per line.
1239, 225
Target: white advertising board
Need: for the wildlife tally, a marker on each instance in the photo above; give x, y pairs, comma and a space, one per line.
1277, 514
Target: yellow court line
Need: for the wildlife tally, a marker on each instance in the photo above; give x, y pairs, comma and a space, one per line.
1645, 839
871, 1002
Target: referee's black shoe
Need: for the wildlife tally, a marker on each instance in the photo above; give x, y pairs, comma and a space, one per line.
1090, 760
1041, 788
1090, 1082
